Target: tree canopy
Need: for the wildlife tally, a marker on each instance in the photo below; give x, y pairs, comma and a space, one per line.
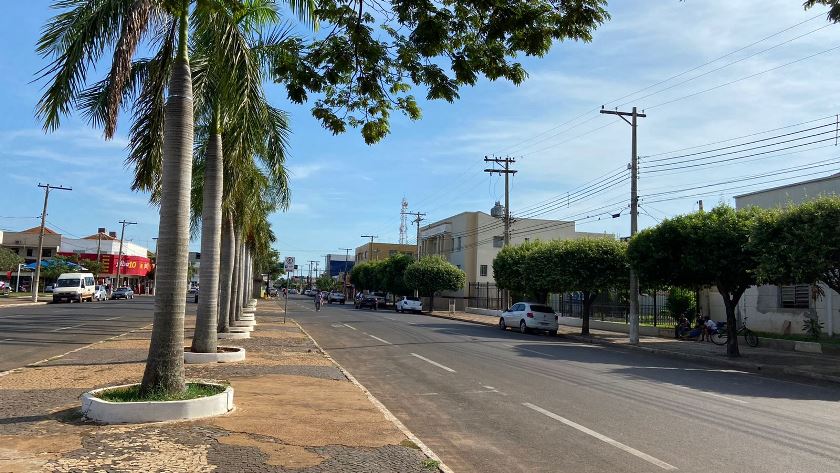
325, 282
9, 260
365, 276
433, 274
509, 269
701, 249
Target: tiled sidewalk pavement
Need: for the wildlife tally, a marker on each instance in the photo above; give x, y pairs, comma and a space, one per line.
821, 367
296, 412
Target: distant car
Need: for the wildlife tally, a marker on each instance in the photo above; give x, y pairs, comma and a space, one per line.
381, 298
411, 304
272, 292
309, 292
100, 293
367, 301
528, 316
336, 297
192, 295
48, 288
122, 293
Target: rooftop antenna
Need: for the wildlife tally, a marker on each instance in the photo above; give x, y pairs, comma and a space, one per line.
404, 222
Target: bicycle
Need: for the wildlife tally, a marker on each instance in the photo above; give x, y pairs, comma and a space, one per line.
721, 335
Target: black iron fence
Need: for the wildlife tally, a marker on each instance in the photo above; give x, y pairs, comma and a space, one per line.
484, 296
652, 309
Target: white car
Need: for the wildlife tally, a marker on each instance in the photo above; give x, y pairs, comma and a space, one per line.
529, 316
100, 294
411, 304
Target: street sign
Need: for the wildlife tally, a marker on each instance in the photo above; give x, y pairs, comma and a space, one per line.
289, 264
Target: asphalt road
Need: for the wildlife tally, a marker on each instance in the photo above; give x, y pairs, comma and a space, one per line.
32, 333
493, 401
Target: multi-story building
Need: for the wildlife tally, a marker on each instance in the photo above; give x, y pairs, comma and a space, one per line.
25, 243
104, 246
377, 251
337, 264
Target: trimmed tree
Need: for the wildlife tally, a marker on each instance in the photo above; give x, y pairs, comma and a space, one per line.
325, 282
9, 260
433, 274
800, 244
510, 271
392, 274
701, 249
590, 266
364, 276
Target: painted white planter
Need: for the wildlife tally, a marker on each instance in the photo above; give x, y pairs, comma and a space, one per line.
108, 412
234, 334
220, 357
245, 323
244, 328
247, 311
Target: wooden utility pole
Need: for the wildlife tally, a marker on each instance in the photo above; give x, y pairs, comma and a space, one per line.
507, 171
370, 246
346, 257
119, 257
36, 281
634, 216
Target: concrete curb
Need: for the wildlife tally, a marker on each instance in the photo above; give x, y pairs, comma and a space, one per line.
22, 304
220, 357
384, 410
233, 335
107, 412
243, 328
741, 365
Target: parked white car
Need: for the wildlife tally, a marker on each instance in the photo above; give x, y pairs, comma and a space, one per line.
74, 287
411, 304
528, 316
100, 294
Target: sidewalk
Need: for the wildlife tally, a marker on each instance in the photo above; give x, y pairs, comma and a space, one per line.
295, 411
758, 360
22, 301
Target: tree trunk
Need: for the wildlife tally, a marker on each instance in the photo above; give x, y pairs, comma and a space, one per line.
587, 309
226, 274
240, 285
234, 298
730, 301
207, 313
164, 371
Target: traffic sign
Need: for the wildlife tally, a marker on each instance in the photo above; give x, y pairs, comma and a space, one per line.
289, 264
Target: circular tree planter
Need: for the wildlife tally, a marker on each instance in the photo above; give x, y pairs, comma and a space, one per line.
109, 412
247, 316
245, 323
234, 334
222, 355
244, 328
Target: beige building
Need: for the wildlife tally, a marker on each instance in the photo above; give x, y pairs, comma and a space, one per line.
25, 243
380, 251
783, 309
471, 240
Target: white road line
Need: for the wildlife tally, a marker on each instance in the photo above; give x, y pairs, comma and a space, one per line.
714, 395
433, 362
350, 326
113, 318
65, 328
603, 438
381, 340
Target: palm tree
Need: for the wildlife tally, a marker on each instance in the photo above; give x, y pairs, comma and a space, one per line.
161, 137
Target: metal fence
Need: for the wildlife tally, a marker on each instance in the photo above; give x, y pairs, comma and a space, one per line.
651, 309
484, 296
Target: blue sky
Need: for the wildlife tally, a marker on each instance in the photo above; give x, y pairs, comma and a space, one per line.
342, 188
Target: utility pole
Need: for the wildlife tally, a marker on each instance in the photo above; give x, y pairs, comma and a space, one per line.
418, 217
507, 171
370, 246
346, 256
700, 204
119, 257
309, 277
634, 216
46, 188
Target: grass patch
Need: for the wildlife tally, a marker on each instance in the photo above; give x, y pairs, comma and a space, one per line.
799, 338
132, 393
432, 465
409, 444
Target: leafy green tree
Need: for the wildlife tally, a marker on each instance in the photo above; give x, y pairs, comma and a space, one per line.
366, 276
590, 266
680, 303
510, 271
392, 274
834, 8
800, 244
57, 266
702, 249
9, 260
95, 267
433, 274
362, 72
325, 282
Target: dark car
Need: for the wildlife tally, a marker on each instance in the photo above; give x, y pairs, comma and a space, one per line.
336, 296
367, 301
122, 293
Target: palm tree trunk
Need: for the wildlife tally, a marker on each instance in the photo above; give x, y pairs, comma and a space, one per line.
237, 253
164, 371
244, 276
205, 338
226, 274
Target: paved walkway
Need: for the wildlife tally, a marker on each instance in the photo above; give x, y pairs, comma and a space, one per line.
295, 411
821, 367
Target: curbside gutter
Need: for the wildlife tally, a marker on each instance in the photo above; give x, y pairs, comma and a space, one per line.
384, 410
21, 304
756, 368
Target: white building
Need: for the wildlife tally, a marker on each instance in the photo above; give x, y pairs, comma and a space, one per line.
783, 309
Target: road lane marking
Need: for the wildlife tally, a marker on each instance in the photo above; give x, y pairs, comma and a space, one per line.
713, 394
113, 318
381, 340
433, 362
350, 326
603, 438
65, 328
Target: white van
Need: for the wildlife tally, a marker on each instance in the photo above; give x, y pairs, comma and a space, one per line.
74, 287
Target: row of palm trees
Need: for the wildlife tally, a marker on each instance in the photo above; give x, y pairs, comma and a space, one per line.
204, 140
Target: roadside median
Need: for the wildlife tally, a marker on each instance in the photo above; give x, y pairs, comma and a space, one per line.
295, 410
820, 367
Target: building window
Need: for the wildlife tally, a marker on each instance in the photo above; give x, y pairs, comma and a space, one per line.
498, 241
459, 243
796, 296
366, 254
198, 256
47, 253
482, 270
29, 252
